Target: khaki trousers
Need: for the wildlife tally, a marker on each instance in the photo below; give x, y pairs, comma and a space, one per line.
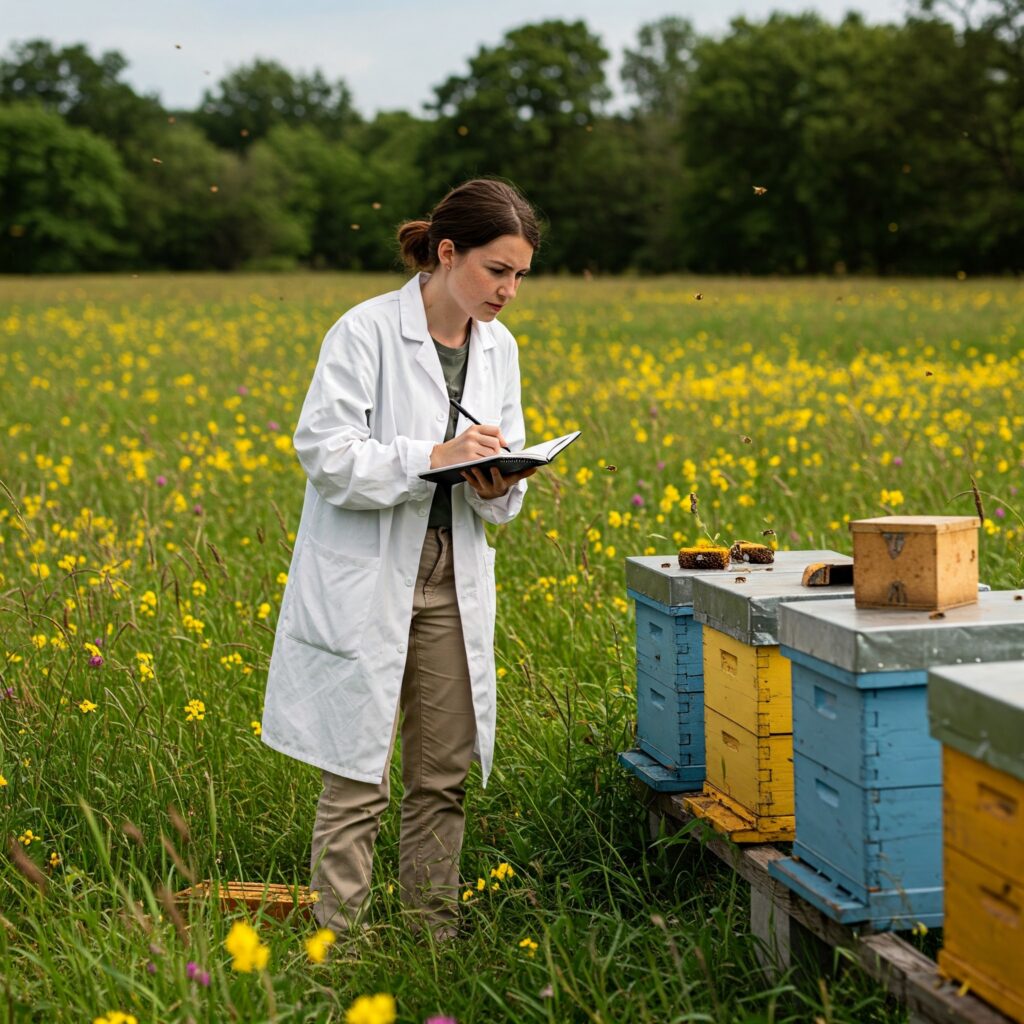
438, 735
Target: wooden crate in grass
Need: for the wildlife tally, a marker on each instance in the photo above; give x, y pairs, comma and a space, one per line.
275, 899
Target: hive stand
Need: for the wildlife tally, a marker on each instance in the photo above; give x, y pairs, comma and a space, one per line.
794, 933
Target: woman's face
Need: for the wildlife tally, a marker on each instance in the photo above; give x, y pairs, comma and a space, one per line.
484, 280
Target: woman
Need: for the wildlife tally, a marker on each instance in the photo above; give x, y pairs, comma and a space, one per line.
390, 598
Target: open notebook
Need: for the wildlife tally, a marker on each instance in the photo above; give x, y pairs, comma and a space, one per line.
538, 455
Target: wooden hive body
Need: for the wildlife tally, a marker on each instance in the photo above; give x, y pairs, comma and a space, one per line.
926, 563
747, 706
977, 712
669, 692
867, 774
669, 755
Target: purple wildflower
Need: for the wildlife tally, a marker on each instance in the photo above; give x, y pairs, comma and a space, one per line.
191, 969
1000, 513
1013, 491
636, 501
96, 660
661, 465
197, 509
8, 693
273, 425
897, 460
161, 481
440, 1020
242, 389
151, 967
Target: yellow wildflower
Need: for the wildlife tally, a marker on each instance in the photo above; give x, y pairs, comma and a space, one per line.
86, 706
528, 946
257, 729
195, 710
247, 952
317, 946
378, 1009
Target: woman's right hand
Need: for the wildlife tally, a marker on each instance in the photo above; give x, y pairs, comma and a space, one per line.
480, 441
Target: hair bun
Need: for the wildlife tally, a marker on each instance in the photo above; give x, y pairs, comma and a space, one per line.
414, 242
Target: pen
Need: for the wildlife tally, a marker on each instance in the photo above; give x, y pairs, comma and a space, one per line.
469, 416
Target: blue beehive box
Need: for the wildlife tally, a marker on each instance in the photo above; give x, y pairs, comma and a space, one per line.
867, 774
669, 751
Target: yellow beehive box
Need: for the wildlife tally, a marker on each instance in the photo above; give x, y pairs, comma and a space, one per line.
983, 932
754, 771
924, 563
748, 705
977, 712
749, 685
983, 813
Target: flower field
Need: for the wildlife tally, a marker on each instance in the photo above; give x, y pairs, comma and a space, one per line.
148, 503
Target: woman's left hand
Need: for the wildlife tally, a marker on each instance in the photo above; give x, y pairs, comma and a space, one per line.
494, 485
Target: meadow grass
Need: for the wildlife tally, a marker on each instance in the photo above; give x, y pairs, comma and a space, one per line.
150, 498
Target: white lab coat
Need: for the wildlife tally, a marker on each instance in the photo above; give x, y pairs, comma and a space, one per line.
375, 408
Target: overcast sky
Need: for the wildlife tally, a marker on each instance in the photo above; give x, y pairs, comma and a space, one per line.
391, 53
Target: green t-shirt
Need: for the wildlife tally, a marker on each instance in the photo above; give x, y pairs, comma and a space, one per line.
453, 366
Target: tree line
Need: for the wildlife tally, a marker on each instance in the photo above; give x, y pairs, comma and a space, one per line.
787, 145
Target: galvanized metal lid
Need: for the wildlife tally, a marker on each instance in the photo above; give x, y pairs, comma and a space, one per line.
749, 611
979, 710
883, 640
660, 578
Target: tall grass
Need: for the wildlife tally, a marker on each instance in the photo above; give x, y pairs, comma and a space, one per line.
150, 501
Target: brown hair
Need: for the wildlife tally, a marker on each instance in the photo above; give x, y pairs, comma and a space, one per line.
471, 215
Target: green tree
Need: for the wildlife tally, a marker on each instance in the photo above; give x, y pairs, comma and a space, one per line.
60, 194
350, 201
197, 206
658, 73
86, 92
518, 110
254, 98
800, 108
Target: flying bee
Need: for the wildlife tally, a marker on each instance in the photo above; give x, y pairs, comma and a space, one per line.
698, 296
693, 503
611, 469
759, 190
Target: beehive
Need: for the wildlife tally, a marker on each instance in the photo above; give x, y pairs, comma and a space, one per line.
748, 720
927, 563
867, 774
977, 713
669, 751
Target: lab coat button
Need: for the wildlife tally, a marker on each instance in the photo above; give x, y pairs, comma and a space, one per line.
408, 581
401, 648
441, 417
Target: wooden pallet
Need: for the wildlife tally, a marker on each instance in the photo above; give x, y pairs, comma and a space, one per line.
793, 932
274, 899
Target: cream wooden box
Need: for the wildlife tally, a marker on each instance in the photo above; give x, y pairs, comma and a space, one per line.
921, 563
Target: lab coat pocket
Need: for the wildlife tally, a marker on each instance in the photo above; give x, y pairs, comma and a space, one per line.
332, 600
